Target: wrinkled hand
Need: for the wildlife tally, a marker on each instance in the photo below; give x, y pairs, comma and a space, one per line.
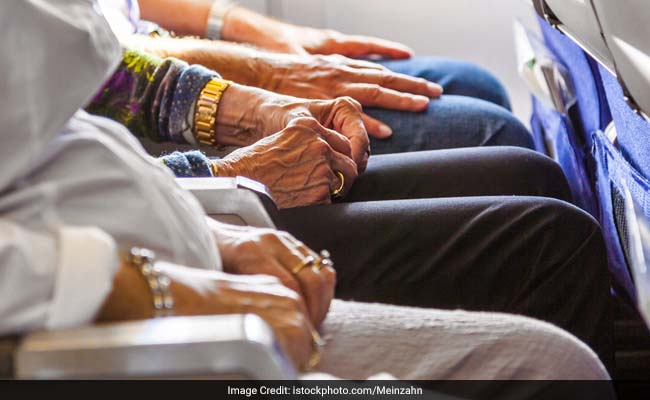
247, 115
202, 292
297, 164
329, 77
247, 251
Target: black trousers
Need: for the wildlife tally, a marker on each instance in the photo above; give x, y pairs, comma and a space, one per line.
476, 229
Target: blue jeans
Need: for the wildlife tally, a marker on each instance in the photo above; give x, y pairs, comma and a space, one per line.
474, 111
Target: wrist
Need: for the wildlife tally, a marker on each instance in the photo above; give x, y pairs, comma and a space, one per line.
224, 168
237, 122
130, 298
216, 18
246, 26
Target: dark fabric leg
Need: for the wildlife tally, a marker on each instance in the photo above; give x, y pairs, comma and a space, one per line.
530, 256
498, 171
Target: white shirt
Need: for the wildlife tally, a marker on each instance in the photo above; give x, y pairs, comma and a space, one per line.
92, 192
75, 188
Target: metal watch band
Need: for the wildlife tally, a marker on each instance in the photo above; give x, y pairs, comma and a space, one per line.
205, 116
159, 283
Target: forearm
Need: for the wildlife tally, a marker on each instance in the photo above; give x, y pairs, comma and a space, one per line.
165, 13
233, 62
246, 26
240, 24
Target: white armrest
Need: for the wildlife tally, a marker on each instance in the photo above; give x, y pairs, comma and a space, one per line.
238, 201
217, 347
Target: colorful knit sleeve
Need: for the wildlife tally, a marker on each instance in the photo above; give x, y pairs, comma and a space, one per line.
193, 164
153, 97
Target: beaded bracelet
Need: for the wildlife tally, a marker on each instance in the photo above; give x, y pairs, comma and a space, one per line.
159, 283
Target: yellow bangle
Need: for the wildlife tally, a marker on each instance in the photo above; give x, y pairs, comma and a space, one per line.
205, 116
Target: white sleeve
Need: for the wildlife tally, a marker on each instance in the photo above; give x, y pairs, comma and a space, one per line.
53, 279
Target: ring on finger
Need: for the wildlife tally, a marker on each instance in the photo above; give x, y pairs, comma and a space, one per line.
308, 261
337, 193
315, 358
324, 261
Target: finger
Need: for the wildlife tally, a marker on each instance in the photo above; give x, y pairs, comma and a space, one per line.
361, 64
376, 128
346, 119
312, 283
327, 273
249, 298
362, 46
271, 267
372, 95
402, 83
294, 333
337, 142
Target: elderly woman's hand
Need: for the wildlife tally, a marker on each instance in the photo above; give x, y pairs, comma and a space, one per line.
299, 164
329, 77
247, 115
262, 251
201, 292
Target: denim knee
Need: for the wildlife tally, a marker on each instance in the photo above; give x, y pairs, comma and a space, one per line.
506, 129
467, 79
460, 78
451, 122
510, 131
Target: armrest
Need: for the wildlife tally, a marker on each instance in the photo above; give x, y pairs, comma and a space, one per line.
218, 347
238, 201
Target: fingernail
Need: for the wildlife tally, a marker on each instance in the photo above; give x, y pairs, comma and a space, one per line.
385, 131
421, 101
434, 87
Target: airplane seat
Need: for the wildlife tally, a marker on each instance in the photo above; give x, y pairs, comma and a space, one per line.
563, 122
603, 46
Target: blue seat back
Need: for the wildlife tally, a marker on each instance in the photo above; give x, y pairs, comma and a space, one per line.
604, 176
567, 137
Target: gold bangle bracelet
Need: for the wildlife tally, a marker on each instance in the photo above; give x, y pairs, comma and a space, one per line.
207, 106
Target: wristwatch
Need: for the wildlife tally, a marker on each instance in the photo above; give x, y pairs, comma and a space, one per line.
216, 18
205, 115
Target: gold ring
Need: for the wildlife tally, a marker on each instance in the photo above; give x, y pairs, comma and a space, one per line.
324, 260
315, 357
307, 262
337, 192
313, 361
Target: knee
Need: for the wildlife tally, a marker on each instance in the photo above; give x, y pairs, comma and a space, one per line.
564, 222
538, 174
507, 130
549, 353
570, 244
467, 79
